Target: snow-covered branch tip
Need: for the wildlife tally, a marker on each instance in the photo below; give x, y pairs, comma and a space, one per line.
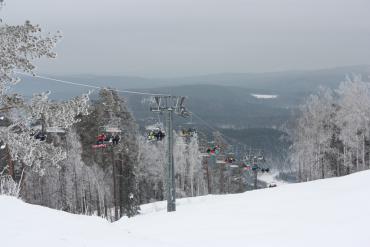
19, 46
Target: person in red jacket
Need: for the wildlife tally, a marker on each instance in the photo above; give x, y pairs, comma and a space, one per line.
100, 139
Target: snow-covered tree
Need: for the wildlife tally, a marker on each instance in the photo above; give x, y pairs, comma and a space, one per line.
151, 170
189, 172
119, 162
332, 136
353, 119
20, 45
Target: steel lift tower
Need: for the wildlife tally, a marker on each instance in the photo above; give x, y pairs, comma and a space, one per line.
170, 105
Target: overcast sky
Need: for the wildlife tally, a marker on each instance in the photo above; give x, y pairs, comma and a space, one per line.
160, 38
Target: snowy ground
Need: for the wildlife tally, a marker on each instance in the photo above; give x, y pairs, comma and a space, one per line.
332, 212
271, 178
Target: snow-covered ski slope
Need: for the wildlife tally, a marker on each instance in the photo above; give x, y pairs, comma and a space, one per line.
331, 212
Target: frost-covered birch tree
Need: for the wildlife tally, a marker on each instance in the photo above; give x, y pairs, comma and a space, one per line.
190, 177
332, 136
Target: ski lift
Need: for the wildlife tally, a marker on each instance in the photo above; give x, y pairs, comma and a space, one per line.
155, 134
38, 133
249, 158
230, 158
40, 136
155, 131
255, 168
246, 167
265, 170
180, 108
261, 157
220, 162
202, 155
55, 129
107, 135
213, 150
187, 132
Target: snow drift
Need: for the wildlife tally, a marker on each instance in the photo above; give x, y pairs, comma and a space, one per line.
332, 212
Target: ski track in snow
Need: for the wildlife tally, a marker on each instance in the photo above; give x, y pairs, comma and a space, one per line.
331, 212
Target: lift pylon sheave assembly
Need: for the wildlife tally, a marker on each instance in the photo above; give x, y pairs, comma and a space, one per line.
170, 105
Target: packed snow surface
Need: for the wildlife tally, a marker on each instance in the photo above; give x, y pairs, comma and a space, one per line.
265, 96
331, 212
271, 178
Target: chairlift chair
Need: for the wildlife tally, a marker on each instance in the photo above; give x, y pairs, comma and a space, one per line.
38, 133
230, 158
54, 129
213, 150
107, 135
187, 132
156, 134
155, 131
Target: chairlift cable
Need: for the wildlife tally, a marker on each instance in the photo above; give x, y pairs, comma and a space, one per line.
117, 90
214, 129
90, 86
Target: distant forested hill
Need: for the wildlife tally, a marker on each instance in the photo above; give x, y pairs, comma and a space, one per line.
223, 99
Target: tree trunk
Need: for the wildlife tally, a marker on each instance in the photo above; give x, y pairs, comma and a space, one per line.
357, 154
77, 200
10, 162
98, 202
114, 173
363, 153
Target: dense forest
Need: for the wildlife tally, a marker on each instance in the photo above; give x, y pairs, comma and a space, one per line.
331, 137
52, 152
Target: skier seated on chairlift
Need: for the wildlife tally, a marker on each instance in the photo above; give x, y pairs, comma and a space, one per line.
187, 132
116, 139
230, 160
151, 136
213, 150
160, 135
100, 139
40, 136
108, 138
184, 132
